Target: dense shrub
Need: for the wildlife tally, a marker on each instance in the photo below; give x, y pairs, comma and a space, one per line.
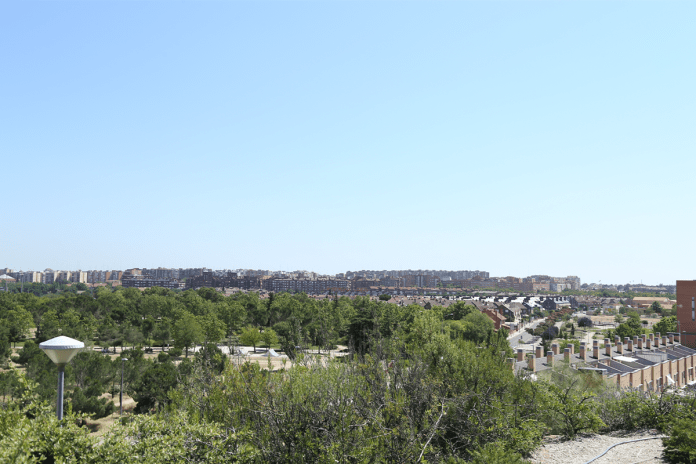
495, 453
680, 447
175, 352
91, 405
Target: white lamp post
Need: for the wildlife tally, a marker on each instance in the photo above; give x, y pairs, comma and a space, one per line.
61, 350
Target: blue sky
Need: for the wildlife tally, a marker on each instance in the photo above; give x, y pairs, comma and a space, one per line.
514, 137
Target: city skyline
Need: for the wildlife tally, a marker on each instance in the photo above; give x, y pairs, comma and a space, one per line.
461, 273
518, 137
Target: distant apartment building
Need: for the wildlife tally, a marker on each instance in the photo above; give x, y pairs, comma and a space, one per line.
307, 285
114, 275
421, 280
480, 282
541, 286
574, 282
96, 276
78, 276
230, 280
49, 276
162, 273
192, 272
362, 284
686, 311
390, 282
558, 287
140, 281
26, 276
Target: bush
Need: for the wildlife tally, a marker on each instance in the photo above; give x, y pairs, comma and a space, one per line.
551, 332
28, 352
680, 447
211, 356
95, 407
175, 352
495, 453
163, 357
627, 411
584, 322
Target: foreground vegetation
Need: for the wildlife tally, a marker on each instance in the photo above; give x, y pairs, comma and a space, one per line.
417, 385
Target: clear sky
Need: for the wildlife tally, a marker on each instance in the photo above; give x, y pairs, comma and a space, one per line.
514, 137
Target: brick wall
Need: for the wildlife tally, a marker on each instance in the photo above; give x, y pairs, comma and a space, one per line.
686, 290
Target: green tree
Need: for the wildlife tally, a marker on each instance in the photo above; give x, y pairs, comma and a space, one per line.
655, 307
250, 336
572, 408
152, 389
92, 372
147, 327
187, 331
269, 337
18, 321
163, 331
49, 326
630, 328
93, 406
214, 329
459, 310
232, 313
666, 325
5, 344
28, 352
477, 327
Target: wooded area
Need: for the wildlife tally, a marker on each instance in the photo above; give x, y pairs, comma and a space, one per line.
416, 385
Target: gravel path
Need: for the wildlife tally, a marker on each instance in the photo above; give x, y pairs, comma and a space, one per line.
584, 448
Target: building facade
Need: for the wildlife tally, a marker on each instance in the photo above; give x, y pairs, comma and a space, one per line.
686, 311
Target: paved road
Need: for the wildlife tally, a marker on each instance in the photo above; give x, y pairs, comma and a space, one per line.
524, 336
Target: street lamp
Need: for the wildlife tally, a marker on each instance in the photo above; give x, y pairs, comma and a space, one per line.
120, 394
61, 350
